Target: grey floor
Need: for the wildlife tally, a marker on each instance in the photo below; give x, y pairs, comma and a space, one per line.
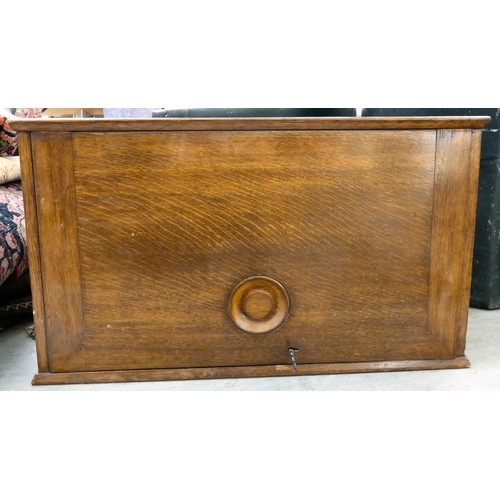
18, 364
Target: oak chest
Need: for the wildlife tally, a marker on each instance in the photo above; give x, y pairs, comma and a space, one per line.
195, 248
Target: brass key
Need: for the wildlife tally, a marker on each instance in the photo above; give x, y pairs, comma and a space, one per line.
291, 352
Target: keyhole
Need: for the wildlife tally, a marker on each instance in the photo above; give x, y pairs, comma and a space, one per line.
292, 351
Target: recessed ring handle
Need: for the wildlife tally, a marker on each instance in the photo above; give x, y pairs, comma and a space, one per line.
259, 305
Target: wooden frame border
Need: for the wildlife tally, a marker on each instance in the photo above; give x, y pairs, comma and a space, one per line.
453, 220
59, 253
213, 124
244, 372
35, 266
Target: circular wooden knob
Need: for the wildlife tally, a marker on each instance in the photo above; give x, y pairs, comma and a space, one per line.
259, 305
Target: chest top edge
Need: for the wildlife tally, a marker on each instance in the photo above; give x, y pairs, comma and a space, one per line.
247, 124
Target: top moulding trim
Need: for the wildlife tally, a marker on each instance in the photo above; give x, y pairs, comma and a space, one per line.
245, 124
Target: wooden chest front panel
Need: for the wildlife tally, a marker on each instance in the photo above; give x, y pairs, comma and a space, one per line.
159, 227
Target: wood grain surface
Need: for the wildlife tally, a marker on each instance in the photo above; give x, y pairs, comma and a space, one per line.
57, 230
457, 171
211, 124
169, 223
468, 229
29, 197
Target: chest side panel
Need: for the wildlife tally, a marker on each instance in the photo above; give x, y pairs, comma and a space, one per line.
168, 223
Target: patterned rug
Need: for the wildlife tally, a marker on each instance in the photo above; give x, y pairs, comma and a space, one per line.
13, 255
